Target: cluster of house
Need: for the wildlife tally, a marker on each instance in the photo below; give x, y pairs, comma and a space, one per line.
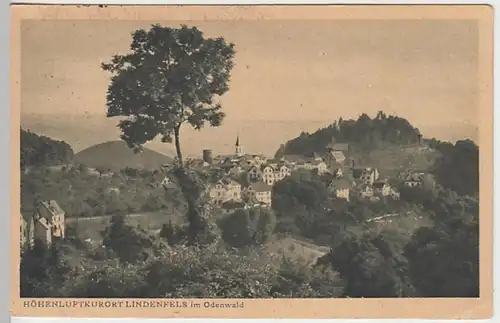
366, 183
45, 223
363, 181
246, 180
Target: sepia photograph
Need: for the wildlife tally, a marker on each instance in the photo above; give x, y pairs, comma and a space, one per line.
217, 157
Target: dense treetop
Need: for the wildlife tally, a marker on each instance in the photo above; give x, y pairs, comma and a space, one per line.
365, 132
37, 150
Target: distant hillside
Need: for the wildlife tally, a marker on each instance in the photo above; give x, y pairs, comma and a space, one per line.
117, 155
37, 150
365, 133
389, 142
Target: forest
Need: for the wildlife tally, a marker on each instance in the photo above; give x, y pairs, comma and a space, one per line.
365, 133
37, 150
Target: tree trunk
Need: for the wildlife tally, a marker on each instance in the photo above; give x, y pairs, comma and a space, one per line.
178, 145
189, 192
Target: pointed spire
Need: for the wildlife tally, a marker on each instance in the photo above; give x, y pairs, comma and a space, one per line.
238, 140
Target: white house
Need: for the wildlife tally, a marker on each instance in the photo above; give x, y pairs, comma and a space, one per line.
381, 188
319, 165
45, 224
366, 191
414, 179
268, 175
366, 175
338, 172
224, 190
340, 188
282, 172
260, 192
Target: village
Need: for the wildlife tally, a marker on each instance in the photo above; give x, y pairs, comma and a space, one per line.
244, 181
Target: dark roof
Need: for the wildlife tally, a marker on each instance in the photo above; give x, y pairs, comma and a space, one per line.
227, 181
169, 185
273, 161
338, 146
415, 177
225, 165
317, 162
232, 205
52, 207
379, 184
340, 183
338, 155
260, 187
267, 165
254, 166
357, 172
293, 158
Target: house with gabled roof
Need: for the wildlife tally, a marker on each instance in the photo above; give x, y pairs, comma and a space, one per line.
259, 159
333, 158
320, 166
414, 179
340, 146
27, 229
260, 192
366, 191
45, 224
340, 188
224, 190
366, 175
294, 159
282, 171
268, 174
338, 171
254, 174
231, 206
381, 188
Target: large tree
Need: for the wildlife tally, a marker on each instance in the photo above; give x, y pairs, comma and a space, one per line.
169, 78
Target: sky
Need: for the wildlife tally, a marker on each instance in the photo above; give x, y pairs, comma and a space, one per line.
289, 76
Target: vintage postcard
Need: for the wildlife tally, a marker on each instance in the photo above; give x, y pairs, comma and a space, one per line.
252, 161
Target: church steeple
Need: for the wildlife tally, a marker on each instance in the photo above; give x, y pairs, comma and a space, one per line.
238, 147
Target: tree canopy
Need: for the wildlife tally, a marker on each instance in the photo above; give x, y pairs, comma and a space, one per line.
458, 168
171, 76
364, 131
37, 150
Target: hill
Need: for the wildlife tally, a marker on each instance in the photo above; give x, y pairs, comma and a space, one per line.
37, 150
387, 142
116, 155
